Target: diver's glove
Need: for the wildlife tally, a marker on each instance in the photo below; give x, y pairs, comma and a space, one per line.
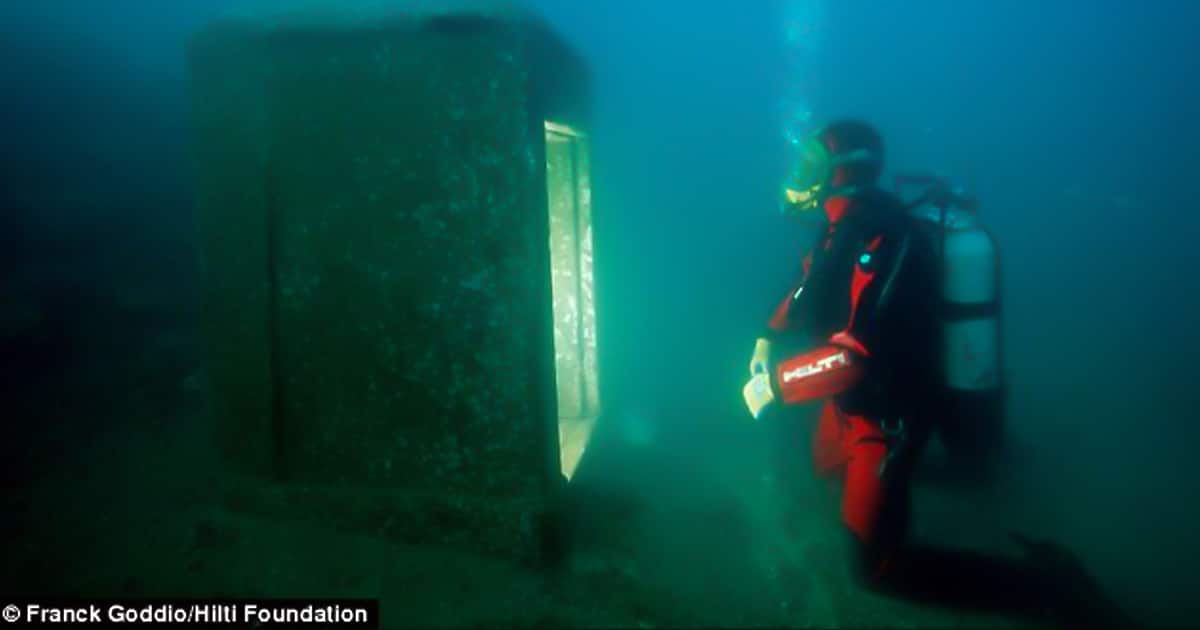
762, 356
758, 393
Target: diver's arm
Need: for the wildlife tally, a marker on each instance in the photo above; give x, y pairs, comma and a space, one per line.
785, 317
838, 365
830, 370
827, 371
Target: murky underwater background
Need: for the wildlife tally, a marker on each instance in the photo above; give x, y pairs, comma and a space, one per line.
1073, 122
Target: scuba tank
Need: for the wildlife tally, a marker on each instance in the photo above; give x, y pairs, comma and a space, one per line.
969, 411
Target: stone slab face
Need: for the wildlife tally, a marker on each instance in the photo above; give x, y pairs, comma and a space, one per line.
373, 227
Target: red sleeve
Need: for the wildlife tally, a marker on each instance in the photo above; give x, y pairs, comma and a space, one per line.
821, 373
834, 368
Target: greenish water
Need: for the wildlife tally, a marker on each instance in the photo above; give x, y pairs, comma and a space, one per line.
1073, 124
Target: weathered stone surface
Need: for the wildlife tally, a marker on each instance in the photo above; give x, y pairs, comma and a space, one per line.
373, 218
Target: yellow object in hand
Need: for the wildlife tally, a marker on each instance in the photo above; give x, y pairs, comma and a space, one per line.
757, 393
761, 358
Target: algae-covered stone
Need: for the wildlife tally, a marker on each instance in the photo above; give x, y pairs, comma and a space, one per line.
373, 219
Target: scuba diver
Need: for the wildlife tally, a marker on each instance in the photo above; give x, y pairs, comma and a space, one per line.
865, 330
860, 325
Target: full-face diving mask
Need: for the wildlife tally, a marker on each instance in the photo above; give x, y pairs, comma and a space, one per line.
811, 180
808, 179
